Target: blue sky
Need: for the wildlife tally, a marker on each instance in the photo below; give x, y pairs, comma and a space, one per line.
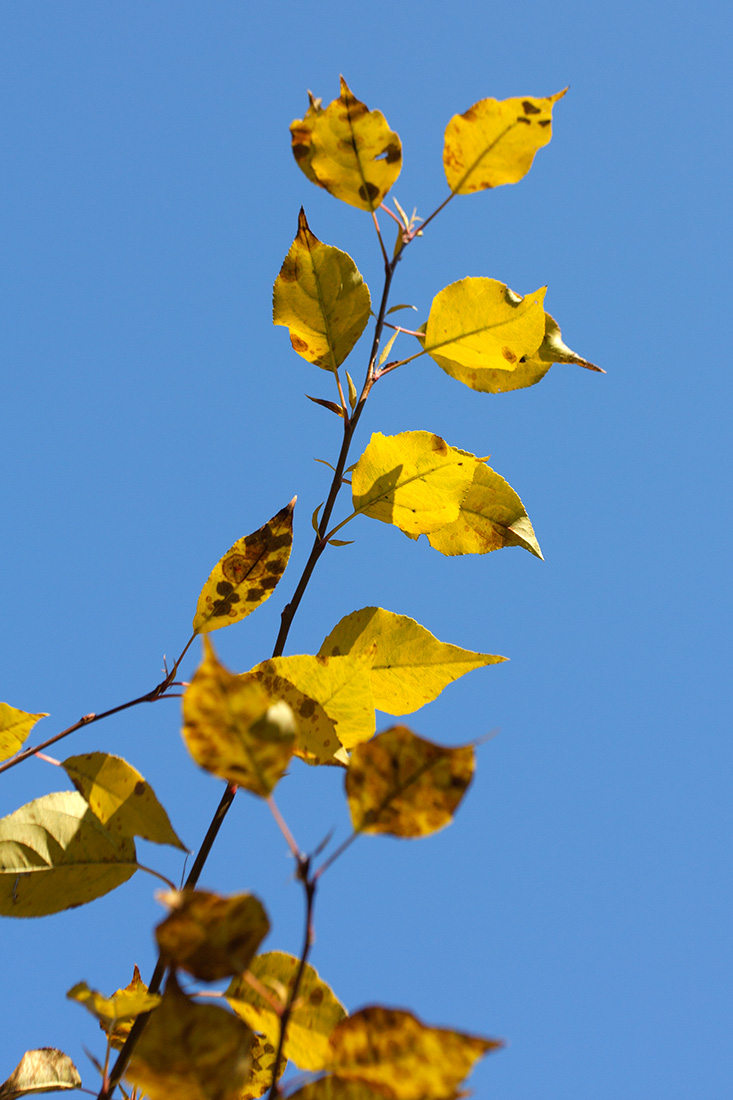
580, 905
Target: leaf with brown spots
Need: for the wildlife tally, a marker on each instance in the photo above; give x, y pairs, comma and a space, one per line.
316, 1010
413, 480
116, 1013
120, 797
495, 141
247, 574
210, 936
263, 1063
44, 1070
190, 1051
392, 1049
233, 728
402, 785
321, 298
478, 324
15, 725
348, 149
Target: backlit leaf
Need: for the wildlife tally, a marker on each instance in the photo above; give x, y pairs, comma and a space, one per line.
478, 324
495, 141
260, 1075
491, 516
315, 1013
348, 149
44, 1070
190, 1051
125, 1004
316, 740
120, 797
55, 854
233, 729
410, 667
402, 785
393, 1049
413, 480
321, 298
340, 1088
15, 725
247, 574
210, 936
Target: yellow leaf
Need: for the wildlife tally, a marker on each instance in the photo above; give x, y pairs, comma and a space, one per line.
341, 1088
400, 784
316, 740
232, 728
120, 797
413, 480
321, 298
44, 1070
260, 1075
315, 1013
478, 324
190, 1051
15, 725
125, 1004
495, 141
211, 937
393, 1049
55, 854
246, 575
348, 149
410, 667
491, 516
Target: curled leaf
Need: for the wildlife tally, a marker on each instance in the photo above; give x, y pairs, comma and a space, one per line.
44, 1070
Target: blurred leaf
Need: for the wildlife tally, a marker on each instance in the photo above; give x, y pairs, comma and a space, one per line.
410, 667
247, 574
44, 1070
340, 1088
233, 729
316, 739
315, 1013
125, 1004
55, 854
120, 797
348, 149
495, 141
321, 298
190, 1051
210, 936
15, 725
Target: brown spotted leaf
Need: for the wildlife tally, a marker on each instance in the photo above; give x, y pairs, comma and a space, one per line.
247, 574
15, 725
348, 149
400, 784
233, 729
210, 936
263, 1063
44, 1070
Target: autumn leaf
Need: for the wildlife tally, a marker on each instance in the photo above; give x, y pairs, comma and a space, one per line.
15, 725
210, 936
495, 141
332, 1087
348, 149
321, 298
316, 1010
409, 666
116, 1013
232, 728
247, 574
120, 797
55, 854
44, 1070
263, 1054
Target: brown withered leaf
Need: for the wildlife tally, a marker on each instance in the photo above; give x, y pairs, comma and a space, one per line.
210, 936
43, 1070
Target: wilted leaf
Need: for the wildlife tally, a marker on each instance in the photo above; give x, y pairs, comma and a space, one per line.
392, 1048
55, 854
495, 141
190, 1051
15, 725
211, 937
413, 480
125, 1004
321, 298
232, 728
491, 516
478, 324
400, 784
410, 667
315, 1012
44, 1070
120, 797
348, 149
247, 574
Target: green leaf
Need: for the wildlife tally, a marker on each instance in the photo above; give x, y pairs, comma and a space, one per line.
44, 1070
210, 936
55, 854
15, 725
321, 298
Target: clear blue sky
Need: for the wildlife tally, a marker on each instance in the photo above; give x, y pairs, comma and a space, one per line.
580, 906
